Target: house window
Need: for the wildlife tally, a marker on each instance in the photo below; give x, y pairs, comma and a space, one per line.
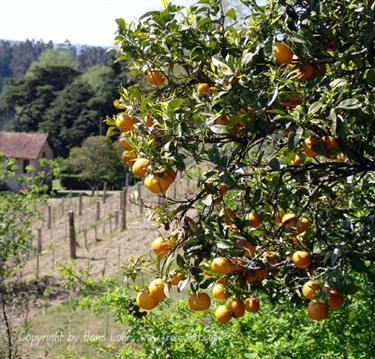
25, 164
44, 155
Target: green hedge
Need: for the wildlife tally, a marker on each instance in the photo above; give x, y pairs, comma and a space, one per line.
72, 181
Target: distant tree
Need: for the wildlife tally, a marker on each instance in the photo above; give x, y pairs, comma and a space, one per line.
31, 96
96, 161
93, 55
74, 115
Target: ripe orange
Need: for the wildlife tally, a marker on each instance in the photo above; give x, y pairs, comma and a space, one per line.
129, 157
124, 143
218, 292
297, 161
224, 265
146, 301
222, 121
124, 122
252, 305
306, 72
160, 181
317, 311
203, 88
162, 246
257, 275
301, 259
236, 307
253, 220
307, 146
199, 301
149, 121
227, 214
335, 299
177, 278
223, 314
247, 247
330, 143
310, 289
283, 53
261, 274
289, 220
156, 78
156, 288
303, 224
140, 167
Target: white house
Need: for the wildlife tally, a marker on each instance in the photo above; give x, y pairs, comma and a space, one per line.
27, 149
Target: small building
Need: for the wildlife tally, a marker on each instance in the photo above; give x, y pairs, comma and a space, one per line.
26, 149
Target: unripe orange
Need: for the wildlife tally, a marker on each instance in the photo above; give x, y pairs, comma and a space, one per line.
199, 301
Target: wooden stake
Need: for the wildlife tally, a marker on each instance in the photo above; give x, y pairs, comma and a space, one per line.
49, 217
104, 192
123, 211
97, 217
72, 236
80, 204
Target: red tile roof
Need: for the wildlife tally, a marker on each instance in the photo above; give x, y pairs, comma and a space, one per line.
21, 144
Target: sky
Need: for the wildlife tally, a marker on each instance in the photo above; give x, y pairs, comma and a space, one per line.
90, 22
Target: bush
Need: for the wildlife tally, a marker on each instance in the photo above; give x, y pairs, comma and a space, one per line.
73, 181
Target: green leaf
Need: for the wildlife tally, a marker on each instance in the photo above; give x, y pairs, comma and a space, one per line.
274, 164
112, 131
349, 104
231, 14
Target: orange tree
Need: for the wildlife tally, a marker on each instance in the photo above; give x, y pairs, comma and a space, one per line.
277, 109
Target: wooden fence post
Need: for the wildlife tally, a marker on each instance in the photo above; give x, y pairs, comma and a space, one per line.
104, 191
123, 210
39, 247
80, 204
140, 200
116, 219
118, 256
49, 217
97, 217
72, 236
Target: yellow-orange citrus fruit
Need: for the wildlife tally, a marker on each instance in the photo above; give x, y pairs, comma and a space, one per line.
307, 146
199, 301
218, 292
223, 314
159, 182
302, 225
261, 274
252, 305
335, 299
162, 246
289, 220
146, 301
222, 280
297, 161
149, 121
223, 121
177, 278
283, 53
125, 122
129, 157
140, 167
330, 143
156, 288
203, 88
310, 289
257, 275
246, 246
156, 78
253, 219
228, 215
301, 259
236, 307
224, 265
306, 72
317, 311
124, 143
